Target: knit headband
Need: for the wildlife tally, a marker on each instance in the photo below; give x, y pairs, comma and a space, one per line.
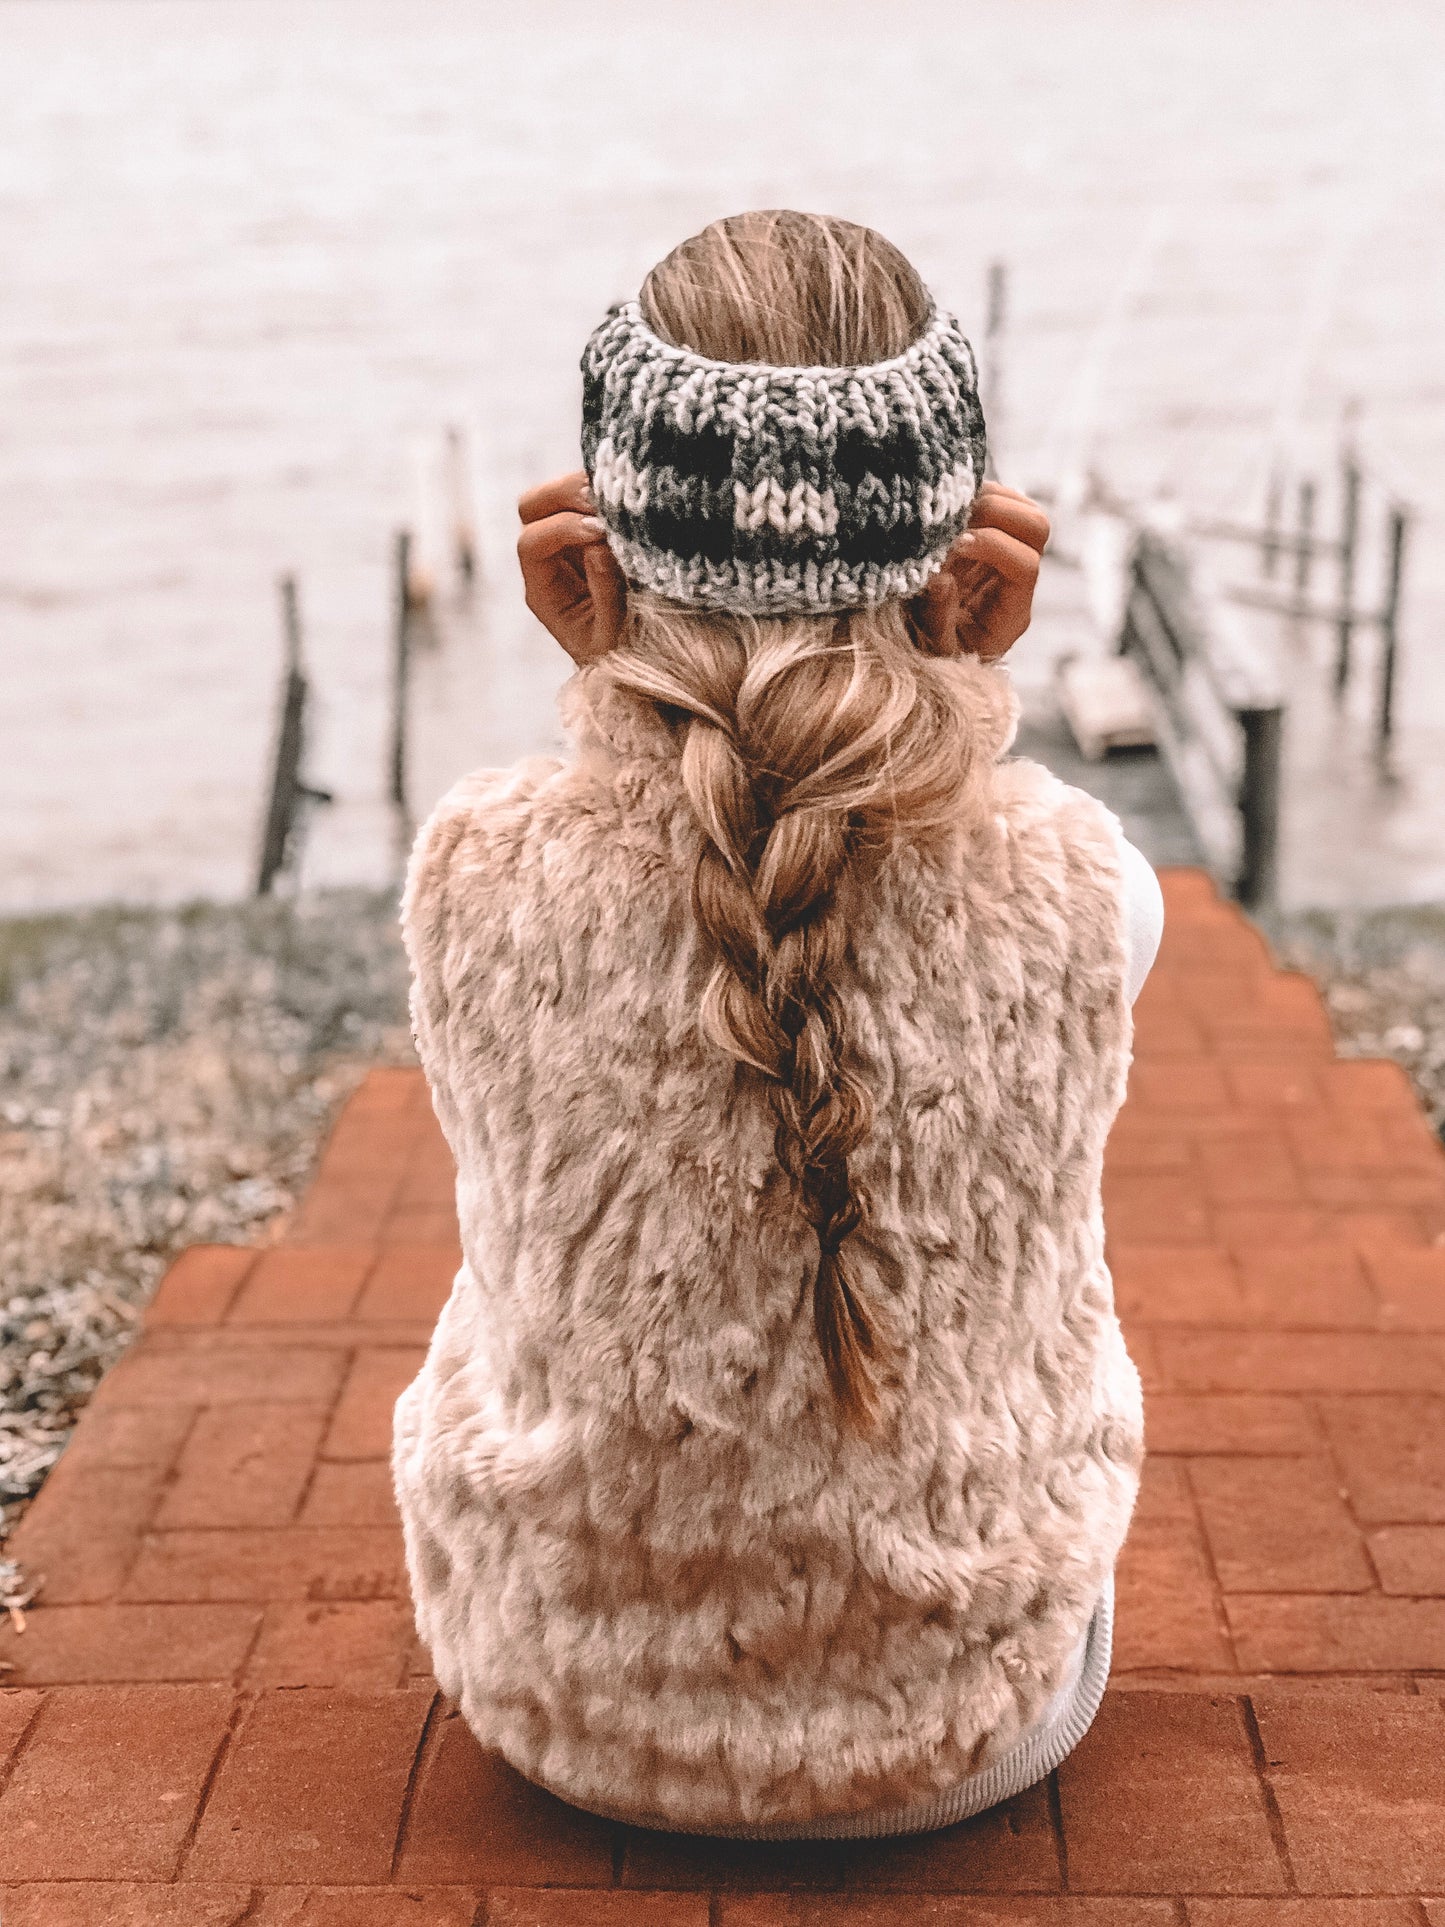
779, 491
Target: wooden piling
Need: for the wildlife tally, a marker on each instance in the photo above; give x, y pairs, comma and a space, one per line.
286, 786
402, 604
1259, 793
1304, 547
1269, 542
1347, 547
1399, 524
992, 383
464, 539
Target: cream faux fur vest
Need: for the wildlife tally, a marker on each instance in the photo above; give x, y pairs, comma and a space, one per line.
648, 1562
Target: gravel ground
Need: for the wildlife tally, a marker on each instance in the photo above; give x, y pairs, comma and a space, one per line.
166, 1078
1383, 975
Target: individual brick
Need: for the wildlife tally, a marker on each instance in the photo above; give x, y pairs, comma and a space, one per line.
1279, 1525
81, 1534
122, 1904
1369, 1084
110, 1779
1245, 1227
1410, 1559
1136, 1148
593, 1907
940, 1910
18, 1707
1250, 1167
200, 1285
1288, 1086
244, 1465
1319, 1286
361, 1425
106, 1903
1409, 1285
370, 1907
151, 1375
350, 1492
1391, 1455
1175, 1285
1313, 1912
1325, 1362
1154, 1208
409, 1281
311, 1789
1009, 1849
422, 1224
354, 1643
1360, 1785
1220, 1422
1182, 1086
1331, 1140
333, 1214
266, 1563
473, 1820
1161, 1796
1337, 1633
64, 1645
128, 1437
1165, 1610
302, 1287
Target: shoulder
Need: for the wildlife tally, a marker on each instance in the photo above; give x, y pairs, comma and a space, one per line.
476, 835
1072, 845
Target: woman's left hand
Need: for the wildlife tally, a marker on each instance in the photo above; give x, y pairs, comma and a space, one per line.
573, 584
980, 602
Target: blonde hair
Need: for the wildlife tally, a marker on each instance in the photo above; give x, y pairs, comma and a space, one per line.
811, 746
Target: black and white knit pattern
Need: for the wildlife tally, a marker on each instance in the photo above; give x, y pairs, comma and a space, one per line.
734, 485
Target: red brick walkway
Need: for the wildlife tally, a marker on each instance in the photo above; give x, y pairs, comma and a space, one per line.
217, 1714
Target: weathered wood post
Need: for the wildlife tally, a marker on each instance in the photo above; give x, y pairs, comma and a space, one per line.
289, 793
992, 373
1304, 553
464, 539
1259, 806
1390, 630
1348, 544
402, 602
1269, 542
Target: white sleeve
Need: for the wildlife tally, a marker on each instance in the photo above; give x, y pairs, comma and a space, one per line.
1143, 916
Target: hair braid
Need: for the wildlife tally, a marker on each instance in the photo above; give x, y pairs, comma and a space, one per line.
810, 745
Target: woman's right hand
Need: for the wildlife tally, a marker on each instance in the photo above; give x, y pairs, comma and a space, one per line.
573, 584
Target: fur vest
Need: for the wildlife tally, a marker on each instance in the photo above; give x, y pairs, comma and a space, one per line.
649, 1562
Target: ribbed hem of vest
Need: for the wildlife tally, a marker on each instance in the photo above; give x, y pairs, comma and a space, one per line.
1052, 1737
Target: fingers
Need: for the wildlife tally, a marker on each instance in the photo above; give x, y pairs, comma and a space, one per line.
563, 492
1015, 558
1002, 508
542, 541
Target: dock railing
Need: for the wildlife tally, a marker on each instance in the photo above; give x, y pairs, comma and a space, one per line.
1218, 713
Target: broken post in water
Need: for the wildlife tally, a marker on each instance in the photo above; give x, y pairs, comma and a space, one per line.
459, 499
403, 603
289, 793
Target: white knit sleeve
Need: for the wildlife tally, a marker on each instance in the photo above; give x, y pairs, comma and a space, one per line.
1143, 916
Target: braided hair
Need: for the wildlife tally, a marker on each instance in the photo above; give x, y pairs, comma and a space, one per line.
810, 745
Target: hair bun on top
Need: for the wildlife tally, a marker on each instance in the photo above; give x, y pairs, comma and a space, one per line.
779, 491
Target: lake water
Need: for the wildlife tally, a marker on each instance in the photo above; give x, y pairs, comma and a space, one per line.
254, 257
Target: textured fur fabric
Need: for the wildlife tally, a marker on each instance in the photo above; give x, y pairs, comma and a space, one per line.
734, 485
647, 1561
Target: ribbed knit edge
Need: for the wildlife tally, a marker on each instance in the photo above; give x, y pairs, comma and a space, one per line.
1052, 1737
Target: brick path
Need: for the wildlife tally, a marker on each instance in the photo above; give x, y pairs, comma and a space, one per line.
218, 1714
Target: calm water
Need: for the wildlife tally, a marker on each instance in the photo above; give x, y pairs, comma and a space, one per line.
255, 257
